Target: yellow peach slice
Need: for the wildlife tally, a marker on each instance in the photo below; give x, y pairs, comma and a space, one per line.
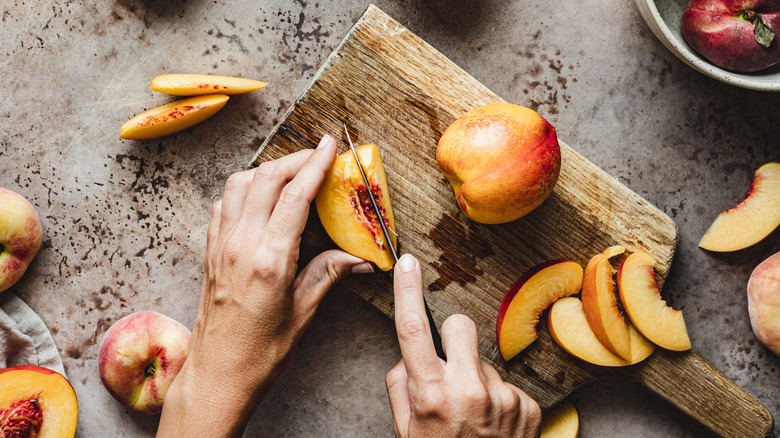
182, 84
571, 331
642, 302
600, 303
173, 117
752, 219
345, 209
528, 297
562, 421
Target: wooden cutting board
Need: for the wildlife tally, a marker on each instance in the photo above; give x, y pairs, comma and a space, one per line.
393, 89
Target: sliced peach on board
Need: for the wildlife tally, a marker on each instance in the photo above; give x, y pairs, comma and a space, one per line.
345, 209
36, 402
649, 313
600, 303
571, 331
562, 421
752, 219
528, 297
173, 117
185, 84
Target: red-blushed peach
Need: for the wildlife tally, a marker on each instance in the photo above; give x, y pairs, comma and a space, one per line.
502, 160
763, 292
185, 84
739, 35
173, 117
346, 212
659, 323
528, 297
20, 236
36, 402
752, 219
139, 357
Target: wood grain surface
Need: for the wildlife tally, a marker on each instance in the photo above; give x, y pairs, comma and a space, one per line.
393, 89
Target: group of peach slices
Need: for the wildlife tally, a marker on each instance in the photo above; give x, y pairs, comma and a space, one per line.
592, 329
211, 93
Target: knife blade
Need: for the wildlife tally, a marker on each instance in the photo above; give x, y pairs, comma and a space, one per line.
434, 331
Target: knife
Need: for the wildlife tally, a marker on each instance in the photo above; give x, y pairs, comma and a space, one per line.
434, 331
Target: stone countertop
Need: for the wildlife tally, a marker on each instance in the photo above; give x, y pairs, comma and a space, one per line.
124, 222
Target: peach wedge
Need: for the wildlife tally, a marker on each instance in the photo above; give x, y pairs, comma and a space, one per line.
345, 209
752, 219
528, 297
182, 84
600, 303
562, 421
642, 302
571, 331
173, 117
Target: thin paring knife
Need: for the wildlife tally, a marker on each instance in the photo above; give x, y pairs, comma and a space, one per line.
434, 331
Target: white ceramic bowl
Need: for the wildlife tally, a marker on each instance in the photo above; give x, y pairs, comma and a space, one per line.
663, 17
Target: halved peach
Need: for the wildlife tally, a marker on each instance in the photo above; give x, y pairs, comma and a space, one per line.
185, 84
642, 302
562, 421
571, 331
345, 209
752, 219
36, 402
528, 297
173, 117
600, 303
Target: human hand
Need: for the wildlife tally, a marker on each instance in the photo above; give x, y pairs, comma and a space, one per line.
462, 397
253, 307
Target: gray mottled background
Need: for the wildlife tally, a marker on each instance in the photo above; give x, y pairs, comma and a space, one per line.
124, 222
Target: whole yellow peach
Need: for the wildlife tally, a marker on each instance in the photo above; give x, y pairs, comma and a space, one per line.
502, 160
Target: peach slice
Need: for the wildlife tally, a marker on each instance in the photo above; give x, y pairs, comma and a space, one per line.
562, 421
173, 117
600, 303
345, 209
181, 84
763, 292
528, 297
571, 331
642, 302
752, 219
36, 402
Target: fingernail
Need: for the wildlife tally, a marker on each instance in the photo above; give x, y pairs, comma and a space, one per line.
406, 263
363, 268
326, 138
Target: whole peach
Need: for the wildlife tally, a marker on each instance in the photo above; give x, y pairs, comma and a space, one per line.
763, 292
20, 236
139, 357
502, 160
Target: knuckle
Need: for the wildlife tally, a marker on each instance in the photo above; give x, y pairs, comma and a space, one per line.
477, 396
429, 402
292, 193
459, 322
411, 326
530, 408
510, 401
216, 208
394, 377
234, 181
266, 170
231, 252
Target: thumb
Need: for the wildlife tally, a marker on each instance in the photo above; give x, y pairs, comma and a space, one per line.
322, 273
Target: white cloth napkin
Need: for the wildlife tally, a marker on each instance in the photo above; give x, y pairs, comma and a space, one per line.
24, 338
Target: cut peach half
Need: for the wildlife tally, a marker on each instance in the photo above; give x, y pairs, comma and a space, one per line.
173, 117
646, 309
184, 84
345, 209
562, 421
36, 402
752, 219
571, 331
528, 297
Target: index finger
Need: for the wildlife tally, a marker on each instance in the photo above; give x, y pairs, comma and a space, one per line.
414, 334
